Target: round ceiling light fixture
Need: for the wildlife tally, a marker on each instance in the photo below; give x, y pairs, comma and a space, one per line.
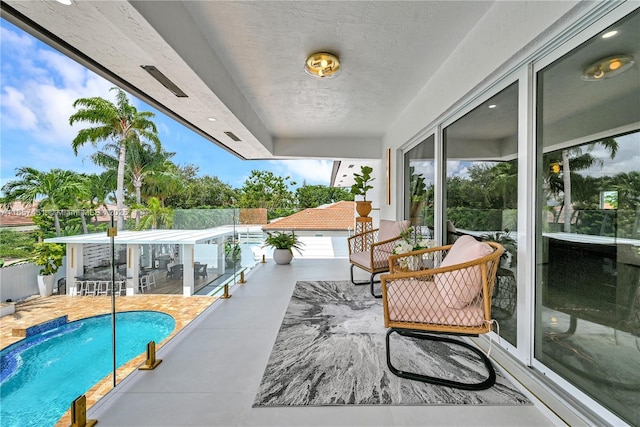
608, 67
322, 65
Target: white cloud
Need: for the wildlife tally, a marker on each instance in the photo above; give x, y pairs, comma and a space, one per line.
14, 40
313, 172
41, 102
15, 111
425, 168
73, 75
627, 158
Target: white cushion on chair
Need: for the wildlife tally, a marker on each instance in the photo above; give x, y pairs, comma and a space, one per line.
458, 288
391, 229
364, 259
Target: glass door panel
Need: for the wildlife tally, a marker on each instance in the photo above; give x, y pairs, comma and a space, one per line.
482, 190
587, 326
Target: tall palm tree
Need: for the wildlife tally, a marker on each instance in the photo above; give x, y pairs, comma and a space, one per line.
120, 123
58, 189
572, 160
580, 161
142, 161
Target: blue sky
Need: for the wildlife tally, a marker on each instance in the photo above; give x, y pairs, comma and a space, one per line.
38, 86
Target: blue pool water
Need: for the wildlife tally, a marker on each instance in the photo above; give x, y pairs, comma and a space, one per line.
43, 374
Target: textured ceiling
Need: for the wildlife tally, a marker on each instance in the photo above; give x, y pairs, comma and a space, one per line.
242, 62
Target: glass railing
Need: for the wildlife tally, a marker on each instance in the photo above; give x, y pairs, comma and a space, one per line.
190, 252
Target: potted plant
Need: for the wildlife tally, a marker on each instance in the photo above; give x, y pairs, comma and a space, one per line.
282, 244
417, 190
49, 256
232, 254
360, 188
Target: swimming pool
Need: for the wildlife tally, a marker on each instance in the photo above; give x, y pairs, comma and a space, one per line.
43, 374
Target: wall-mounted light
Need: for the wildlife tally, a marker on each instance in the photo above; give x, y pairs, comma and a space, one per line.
322, 65
608, 67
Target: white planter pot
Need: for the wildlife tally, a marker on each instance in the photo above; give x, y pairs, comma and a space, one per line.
45, 284
282, 256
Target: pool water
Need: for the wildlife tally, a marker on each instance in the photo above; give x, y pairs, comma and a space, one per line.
43, 374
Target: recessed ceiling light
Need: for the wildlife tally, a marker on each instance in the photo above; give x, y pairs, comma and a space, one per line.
65, 2
492, 106
212, 119
609, 34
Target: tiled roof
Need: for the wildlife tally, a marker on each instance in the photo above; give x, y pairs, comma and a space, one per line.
18, 215
21, 215
337, 216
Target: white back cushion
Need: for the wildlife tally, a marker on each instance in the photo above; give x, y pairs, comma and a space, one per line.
458, 288
391, 229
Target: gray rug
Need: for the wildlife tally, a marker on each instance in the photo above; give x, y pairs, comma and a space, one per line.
331, 351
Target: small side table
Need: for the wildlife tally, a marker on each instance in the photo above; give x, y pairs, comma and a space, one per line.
363, 224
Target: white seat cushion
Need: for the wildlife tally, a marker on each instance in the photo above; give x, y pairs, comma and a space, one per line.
364, 259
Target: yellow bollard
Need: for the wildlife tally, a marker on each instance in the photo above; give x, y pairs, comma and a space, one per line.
242, 277
79, 413
226, 294
151, 361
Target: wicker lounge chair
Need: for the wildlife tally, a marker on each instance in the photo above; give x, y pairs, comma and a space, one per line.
370, 250
454, 298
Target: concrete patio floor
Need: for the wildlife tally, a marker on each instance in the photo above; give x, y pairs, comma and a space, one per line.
212, 368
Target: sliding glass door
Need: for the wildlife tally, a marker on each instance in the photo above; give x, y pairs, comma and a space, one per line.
419, 174
587, 308
481, 190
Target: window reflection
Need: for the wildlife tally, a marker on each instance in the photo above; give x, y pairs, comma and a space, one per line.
419, 186
482, 191
588, 265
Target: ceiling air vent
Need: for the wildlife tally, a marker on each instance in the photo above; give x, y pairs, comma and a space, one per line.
164, 81
232, 136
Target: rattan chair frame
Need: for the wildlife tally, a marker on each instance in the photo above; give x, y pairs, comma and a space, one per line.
431, 330
366, 242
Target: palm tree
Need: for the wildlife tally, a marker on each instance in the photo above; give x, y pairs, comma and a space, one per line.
142, 161
120, 123
101, 187
58, 189
168, 183
573, 159
156, 214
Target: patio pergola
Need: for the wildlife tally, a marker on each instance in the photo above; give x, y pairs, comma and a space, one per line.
185, 239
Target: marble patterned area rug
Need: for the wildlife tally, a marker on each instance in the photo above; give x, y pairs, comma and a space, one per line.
330, 350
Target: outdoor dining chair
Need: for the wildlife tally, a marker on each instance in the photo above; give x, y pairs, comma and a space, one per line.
371, 249
454, 298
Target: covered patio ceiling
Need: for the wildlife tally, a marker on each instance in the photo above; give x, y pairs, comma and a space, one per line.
241, 63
